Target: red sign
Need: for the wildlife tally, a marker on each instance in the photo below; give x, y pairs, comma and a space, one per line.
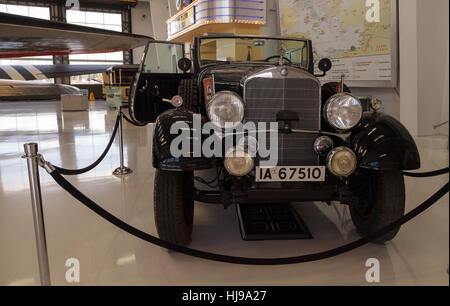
208, 89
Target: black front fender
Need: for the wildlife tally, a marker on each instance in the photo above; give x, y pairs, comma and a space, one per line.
381, 142
162, 139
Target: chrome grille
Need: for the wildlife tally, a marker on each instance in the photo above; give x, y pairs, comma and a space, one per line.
264, 97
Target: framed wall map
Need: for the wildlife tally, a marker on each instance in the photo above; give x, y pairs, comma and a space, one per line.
359, 36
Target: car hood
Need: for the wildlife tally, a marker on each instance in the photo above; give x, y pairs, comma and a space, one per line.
232, 73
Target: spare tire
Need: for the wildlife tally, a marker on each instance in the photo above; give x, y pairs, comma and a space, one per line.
188, 90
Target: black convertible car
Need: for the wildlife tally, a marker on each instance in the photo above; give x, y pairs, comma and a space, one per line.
329, 145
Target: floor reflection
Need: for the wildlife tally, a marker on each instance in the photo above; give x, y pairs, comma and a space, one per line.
109, 256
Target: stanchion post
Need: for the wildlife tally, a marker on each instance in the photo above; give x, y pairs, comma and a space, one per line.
122, 170
32, 156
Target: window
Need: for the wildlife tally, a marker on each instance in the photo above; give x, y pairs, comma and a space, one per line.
30, 11
107, 21
25, 10
163, 58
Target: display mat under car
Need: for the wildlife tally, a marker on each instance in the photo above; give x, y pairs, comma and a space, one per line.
277, 221
265, 97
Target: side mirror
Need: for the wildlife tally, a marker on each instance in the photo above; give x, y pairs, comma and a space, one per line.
184, 64
324, 66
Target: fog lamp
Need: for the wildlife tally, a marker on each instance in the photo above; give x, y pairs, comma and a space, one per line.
238, 162
341, 161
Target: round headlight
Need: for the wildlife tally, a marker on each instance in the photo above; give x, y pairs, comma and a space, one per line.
226, 106
238, 162
343, 111
341, 161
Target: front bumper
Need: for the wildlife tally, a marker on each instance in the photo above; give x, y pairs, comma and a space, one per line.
244, 191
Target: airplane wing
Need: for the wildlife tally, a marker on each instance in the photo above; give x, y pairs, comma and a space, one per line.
40, 72
37, 90
25, 36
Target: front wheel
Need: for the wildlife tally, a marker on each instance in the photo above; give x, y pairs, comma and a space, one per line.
381, 202
174, 206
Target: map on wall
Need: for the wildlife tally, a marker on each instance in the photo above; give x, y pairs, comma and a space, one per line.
354, 34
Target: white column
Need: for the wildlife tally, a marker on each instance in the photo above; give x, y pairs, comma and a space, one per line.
424, 49
159, 10
172, 7
141, 24
432, 25
408, 49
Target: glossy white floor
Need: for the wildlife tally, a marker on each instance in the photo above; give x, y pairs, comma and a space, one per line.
108, 256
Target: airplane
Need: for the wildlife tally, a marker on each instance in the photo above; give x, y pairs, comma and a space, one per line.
26, 36
43, 72
34, 90
31, 82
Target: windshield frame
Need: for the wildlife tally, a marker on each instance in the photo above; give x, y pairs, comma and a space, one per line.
307, 42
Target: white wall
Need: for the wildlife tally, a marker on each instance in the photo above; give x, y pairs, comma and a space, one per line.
433, 64
141, 23
443, 130
424, 61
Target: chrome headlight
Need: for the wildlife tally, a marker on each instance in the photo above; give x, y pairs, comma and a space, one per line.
226, 106
341, 161
343, 111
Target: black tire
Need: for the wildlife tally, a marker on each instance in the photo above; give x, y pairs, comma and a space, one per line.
174, 208
331, 88
188, 90
382, 201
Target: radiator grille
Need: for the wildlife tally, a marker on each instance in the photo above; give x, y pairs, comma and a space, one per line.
264, 97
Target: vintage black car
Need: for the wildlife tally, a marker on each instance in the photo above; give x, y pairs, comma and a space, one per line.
330, 146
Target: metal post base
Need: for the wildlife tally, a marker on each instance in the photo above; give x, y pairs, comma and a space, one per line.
122, 171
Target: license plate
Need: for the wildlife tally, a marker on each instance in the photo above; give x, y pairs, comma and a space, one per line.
290, 174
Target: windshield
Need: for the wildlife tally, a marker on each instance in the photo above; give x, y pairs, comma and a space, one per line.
244, 49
